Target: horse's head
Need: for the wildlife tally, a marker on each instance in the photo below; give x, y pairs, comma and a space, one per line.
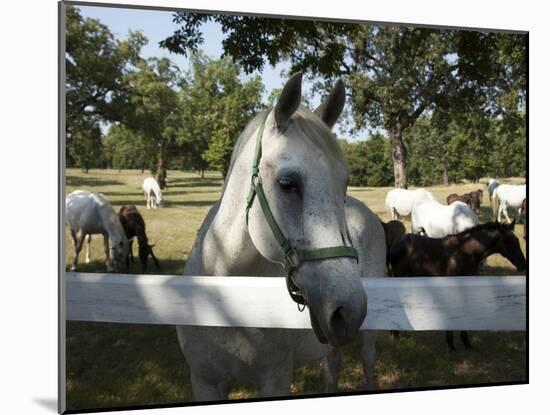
304, 178
119, 254
509, 247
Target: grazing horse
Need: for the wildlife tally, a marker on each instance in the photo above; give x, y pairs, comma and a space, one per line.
153, 195
472, 199
400, 202
477, 198
394, 231
455, 255
134, 226
90, 213
438, 220
294, 220
509, 195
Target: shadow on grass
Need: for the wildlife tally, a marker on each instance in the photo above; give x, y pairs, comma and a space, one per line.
194, 182
125, 194
167, 266
198, 203
168, 193
90, 181
110, 364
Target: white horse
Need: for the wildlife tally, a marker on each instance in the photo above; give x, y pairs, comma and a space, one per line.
400, 202
509, 195
492, 184
153, 195
300, 169
90, 213
439, 220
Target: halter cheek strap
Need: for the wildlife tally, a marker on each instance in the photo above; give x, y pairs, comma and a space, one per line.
293, 257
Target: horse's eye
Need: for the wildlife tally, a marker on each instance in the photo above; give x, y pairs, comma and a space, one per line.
287, 184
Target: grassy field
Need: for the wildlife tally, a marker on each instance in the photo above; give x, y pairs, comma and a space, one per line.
111, 365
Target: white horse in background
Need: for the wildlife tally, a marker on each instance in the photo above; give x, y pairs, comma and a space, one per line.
90, 213
302, 171
152, 193
509, 195
438, 220
492, 184
400, 202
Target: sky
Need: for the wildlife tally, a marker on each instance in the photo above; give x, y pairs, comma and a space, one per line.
157, 25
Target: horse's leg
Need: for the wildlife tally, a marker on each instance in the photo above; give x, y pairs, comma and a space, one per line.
147, 199
88, 248
450, 342
78, 241
276, 382
506, 213
368, 356
465, 340
108, 259
332, 368
207, 391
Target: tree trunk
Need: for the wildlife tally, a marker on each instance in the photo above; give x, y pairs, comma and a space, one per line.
161, 170
399, 157
445, 175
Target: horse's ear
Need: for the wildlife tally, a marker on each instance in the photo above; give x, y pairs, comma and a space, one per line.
289, 100
331, 108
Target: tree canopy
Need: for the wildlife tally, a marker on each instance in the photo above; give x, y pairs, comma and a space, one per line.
394, 74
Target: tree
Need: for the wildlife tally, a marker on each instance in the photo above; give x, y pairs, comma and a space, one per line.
154, 100
369, 163
96, 65
395, 74
215, 106
127, 149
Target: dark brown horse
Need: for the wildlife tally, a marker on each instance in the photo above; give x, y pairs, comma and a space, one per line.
134, 226
455, 255
394, 231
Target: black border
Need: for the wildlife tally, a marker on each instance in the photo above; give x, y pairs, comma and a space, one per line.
61, 183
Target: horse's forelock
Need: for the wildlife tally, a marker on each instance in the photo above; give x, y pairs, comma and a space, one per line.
318, 133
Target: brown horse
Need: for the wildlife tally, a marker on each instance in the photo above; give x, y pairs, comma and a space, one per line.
134, 225
477, 198
472, 201
455, 255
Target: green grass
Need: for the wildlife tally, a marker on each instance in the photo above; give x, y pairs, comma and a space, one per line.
111, 365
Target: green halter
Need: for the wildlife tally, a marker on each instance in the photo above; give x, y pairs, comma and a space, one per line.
293, 257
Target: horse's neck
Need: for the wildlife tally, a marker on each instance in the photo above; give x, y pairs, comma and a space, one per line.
480, 244
228, 229
112, 225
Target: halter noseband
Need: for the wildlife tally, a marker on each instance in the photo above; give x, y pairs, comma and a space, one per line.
293, 257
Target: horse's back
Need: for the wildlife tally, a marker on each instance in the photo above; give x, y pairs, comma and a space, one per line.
440, 220
83, 209
403, 200
512, 194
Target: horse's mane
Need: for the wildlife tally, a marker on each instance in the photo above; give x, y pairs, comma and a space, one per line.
311, 126
488, 227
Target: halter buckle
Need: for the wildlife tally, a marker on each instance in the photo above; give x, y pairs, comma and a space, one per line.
292, 259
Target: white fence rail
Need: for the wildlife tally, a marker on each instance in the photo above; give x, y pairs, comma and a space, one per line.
420, 303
